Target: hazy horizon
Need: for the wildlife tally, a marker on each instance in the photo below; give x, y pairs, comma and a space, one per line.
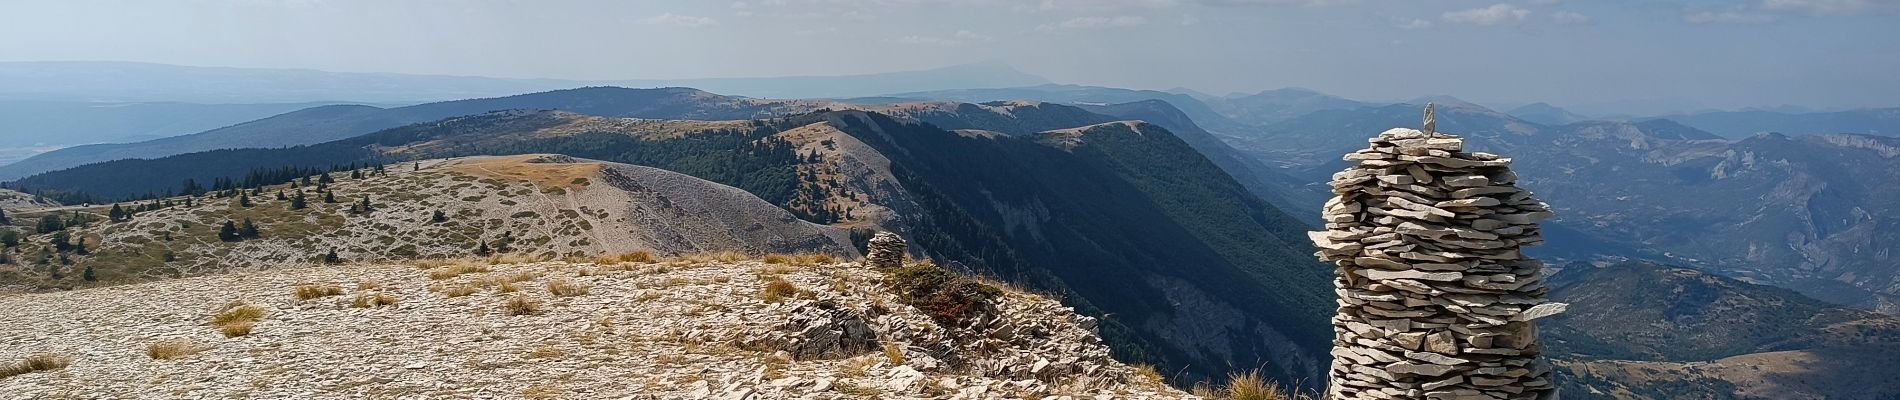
1700, 54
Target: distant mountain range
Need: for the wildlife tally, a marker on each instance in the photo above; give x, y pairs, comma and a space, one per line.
1810, 212
1637, 330
146, 82
1741, 124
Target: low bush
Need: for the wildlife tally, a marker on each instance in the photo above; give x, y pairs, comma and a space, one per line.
945, 296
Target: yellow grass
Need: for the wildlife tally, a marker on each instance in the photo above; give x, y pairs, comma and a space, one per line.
35, 363
520, 305
313, 291
777, 289
566, 288
173, 349
371, 300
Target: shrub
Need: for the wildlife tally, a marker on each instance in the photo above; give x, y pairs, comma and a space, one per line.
945, 296
174, 349
776, 258
520, 305
35, 363
313, 291
777, 289
566, 288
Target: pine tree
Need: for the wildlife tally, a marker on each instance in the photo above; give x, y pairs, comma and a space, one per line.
325, 178
248, 230
228, 232
50, 224
9, 238
3, 218
281, 197
438, 217
244, 200
61, 241
483, 250
329, 197
80, 247
356, 174
366, 208
297, 203
330, 257
89, 276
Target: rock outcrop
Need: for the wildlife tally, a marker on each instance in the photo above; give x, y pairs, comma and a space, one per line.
691, 328
1435, 299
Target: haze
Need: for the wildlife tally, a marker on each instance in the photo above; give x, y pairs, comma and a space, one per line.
1704, 54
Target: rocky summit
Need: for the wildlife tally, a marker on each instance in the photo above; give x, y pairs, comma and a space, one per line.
692, 327
1435, 299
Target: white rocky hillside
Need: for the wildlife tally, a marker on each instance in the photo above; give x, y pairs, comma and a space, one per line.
691, 328
548, 206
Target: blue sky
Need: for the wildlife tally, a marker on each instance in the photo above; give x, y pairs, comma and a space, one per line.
1728, 54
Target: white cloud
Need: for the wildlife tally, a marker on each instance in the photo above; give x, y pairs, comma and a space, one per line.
1819, 7
959, 38
1569, 18
1727, 17
1095, 23
1493, 15
1415, 23
671, 19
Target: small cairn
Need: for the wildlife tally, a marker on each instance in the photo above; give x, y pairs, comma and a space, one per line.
1435, 299
885, 251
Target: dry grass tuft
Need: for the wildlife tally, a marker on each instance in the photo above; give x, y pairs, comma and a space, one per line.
35, 363
173, 349
520, 305
368, 284
545, 351
566, 288
236, 319
460, 290
455, 270
707, 257
636, 257
507, 287
894, 352
237, 312
371, 300
1148, 373
776, 258
511, 258
315, 291
1248, 386
235, 328
778, 289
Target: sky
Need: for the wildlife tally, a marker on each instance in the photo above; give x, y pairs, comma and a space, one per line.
1715, 54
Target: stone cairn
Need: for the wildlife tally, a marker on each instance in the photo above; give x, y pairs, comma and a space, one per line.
885, 251
1435, 300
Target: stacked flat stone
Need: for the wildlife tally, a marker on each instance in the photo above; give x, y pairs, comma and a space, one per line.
884, 251
1435, 299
